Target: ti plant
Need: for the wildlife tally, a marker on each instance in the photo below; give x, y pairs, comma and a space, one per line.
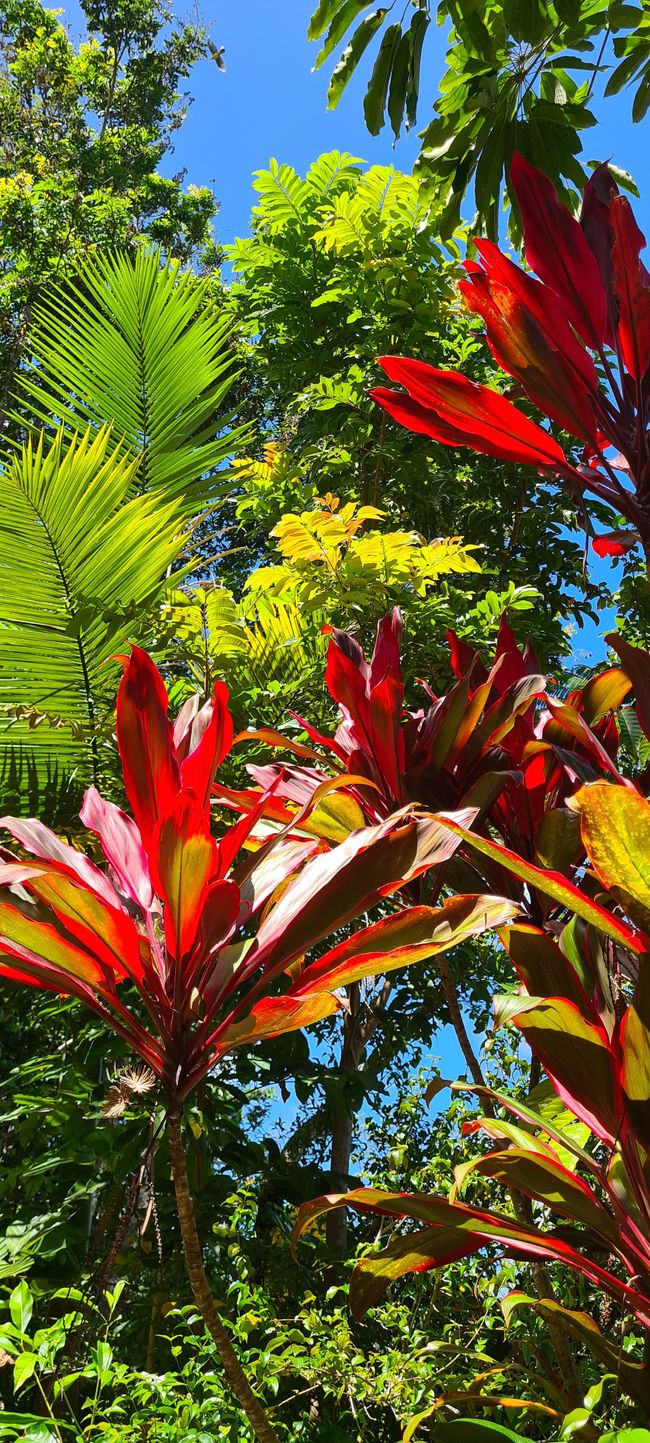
576, 342
583, 1007
187, 946
497, 742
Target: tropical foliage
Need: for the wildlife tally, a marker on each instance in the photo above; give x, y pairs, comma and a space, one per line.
293, 698
84, 130
593, 296
516, 77
342, 266
100, 515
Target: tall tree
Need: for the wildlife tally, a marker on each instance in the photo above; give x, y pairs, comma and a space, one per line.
345, 265
83, 130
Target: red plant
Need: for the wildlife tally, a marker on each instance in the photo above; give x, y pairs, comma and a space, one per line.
496, 742
592, 296
584, 1010
183, 947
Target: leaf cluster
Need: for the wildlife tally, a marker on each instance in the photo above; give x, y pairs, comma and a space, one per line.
83, 129
518, 75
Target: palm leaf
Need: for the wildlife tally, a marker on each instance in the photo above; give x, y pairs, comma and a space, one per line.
83, 562
141, 346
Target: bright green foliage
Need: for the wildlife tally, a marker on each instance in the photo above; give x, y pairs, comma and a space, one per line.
83, 561
341, 267
99, 534
139, 343
82, 133
335, 566
519, 75
328, 556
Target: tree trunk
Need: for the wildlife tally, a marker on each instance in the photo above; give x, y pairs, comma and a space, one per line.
451, 998
235, 1375
343, 1121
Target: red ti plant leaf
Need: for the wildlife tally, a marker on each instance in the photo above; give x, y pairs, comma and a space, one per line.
593, 295
615, 826
410, 936
558, 250
615, 543
636, 664
554, 885
544, 969
202, 741
595, 226
144, 737
173, 934
121, 844
483, 745
544, 1179
635, 1046
175, 921
185, 859
632, 286
530, 338
578, 1057
454, 1231
586, 1332
459, 412
41, 842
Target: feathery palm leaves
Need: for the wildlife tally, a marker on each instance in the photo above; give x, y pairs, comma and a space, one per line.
83, 561
134, 344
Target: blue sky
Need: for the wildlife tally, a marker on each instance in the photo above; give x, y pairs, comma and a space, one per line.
269, 103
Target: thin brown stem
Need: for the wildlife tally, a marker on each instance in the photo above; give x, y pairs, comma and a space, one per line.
543, 1285
451, 998
569, 1379
202, 1293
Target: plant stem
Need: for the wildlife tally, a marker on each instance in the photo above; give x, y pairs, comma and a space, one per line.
235, 1375
451, 998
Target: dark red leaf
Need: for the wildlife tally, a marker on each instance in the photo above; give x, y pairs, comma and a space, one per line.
615, 543
144, 738
558, 250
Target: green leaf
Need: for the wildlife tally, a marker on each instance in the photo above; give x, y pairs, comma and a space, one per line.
346, 66
419, 26
374, 104
626, 182
467, 17
474, 1430
398, 83
624, 72
568, 10
487, 181
526, 20
24, 1368
21, 1305
623, 16
626, 1435
641, 100
97, 559
138, 345
322, 17
341, 22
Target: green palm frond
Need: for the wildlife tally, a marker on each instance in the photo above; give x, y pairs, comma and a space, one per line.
83, 563
141, 346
